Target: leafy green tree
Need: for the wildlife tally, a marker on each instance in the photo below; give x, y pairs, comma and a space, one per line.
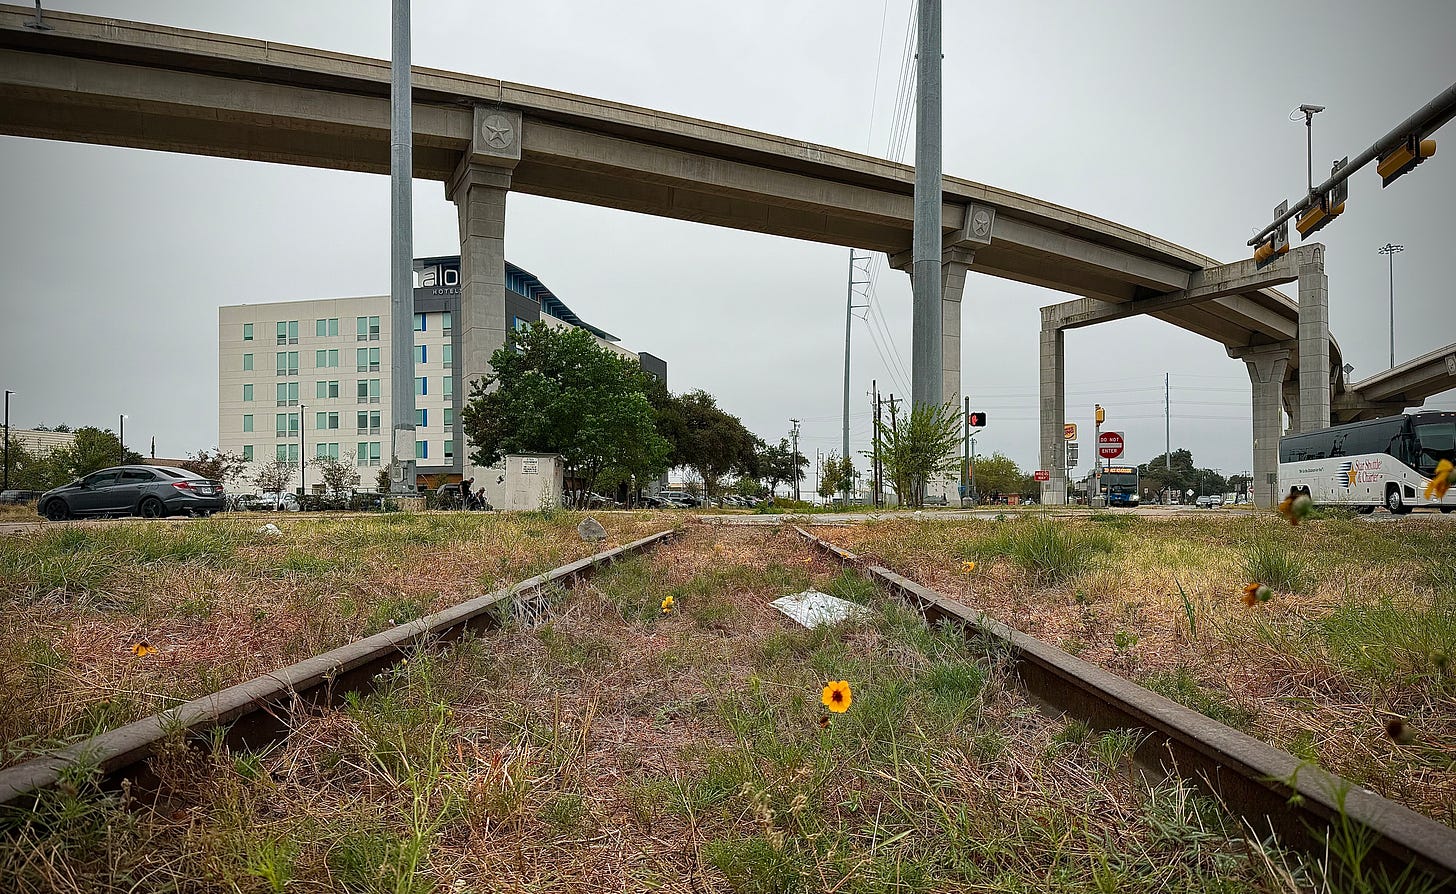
776, 464
93, 448
998, 474
274, 476
340, 474
917, 446
33, 470
216, 464
555, 390
713, 442
836, 475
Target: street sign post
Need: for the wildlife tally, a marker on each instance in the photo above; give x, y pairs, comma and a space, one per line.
1041, 475
1110, 444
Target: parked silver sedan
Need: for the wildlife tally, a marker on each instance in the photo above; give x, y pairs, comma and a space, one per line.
148, 491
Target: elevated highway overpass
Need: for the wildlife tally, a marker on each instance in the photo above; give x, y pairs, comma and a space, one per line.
138, 85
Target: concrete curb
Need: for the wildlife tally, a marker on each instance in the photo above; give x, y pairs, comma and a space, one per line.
257, 711
1271, 789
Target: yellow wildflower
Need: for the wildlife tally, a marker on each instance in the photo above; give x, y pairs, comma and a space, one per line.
1257, 593
142, 649
968, 567
837, 696
1442, 481
1295, 506
667, 605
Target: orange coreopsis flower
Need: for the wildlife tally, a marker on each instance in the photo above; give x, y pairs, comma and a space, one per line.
1254, 593
142, 649
1295, 507
837, 696
968, 567
1442, 481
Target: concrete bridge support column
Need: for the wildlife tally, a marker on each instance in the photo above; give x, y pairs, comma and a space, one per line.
478, 188
1267, 367
1314, 343
954, 263
1053, 412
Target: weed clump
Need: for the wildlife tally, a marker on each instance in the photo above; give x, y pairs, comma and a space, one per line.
1273, 564
1053, 553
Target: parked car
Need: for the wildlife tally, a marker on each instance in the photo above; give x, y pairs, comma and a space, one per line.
18, 496
1211, 501
148, 491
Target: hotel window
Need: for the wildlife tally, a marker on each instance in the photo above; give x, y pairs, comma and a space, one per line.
449, 448
288, 332
287, 394
286, 424
326, 328
248, 422
287, 363
419, 322
447, 323
447, 356
447, 386
367, 328
420, 354
422, 418
286, 453
326, 451
324, 390
368, 391
449, 419
367, 454
367, 422
247, 392
247, 452
366, 360
326, 421
422, 449
422, 385
247, 361
247, 332
326, 359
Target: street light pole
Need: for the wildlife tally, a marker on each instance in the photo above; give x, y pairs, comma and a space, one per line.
302, 485
8, 392
795, 434
121, 437
1389, 249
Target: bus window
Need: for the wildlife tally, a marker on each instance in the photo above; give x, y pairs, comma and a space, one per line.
1435, 441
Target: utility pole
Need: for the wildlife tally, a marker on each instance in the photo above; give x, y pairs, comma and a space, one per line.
849, 309
967, 472
1167, 427
794, 433
401, 257
926, 352
875, 448
121, 437
6, 486
1389, 249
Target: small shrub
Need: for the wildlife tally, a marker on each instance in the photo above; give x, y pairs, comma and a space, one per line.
1051, 551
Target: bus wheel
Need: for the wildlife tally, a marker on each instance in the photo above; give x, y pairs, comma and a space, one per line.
1448, 508
1393, 500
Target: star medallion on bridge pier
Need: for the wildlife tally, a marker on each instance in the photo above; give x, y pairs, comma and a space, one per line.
981, 223
497, 132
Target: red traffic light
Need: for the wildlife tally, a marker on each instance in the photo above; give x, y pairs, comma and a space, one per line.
976, 420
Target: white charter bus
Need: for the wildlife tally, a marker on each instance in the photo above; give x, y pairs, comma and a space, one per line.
1382, 462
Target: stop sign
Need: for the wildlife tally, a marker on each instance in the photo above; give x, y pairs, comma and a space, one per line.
1109, 444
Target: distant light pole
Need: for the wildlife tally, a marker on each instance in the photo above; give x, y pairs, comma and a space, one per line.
302, 485
6, 486
1389, 249
121, 436
795, 434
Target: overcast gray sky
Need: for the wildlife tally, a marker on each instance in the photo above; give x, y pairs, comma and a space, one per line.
1169, 118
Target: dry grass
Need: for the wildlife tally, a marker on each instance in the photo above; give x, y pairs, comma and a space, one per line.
613, 748
222, 602
1361, 631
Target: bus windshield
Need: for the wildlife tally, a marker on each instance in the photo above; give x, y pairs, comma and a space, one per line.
1122, 481
1435, 441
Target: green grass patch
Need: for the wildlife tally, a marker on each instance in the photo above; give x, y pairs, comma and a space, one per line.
1181, 686
1052, 552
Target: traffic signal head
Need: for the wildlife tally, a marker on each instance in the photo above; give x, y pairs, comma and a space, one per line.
977, 420
1403, 158
1101, 414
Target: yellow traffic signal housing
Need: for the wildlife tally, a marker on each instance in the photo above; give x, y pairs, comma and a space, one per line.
1315, 219
1101, 414
1402, 158
1266, 253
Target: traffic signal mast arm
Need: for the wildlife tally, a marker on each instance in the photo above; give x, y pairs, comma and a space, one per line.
1407, 140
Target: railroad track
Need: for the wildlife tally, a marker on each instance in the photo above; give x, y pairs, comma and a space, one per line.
1271, 789
258, 712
